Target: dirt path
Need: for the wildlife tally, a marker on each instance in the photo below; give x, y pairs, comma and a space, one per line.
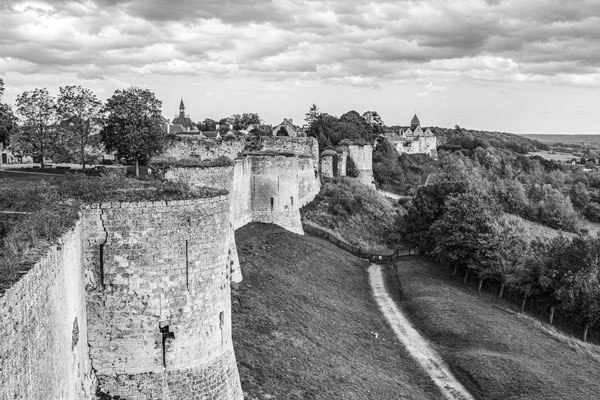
415, 344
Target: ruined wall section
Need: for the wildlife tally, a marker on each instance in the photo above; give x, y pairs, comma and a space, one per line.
204, 149
43, 351
300, 146
275, 191
363, 159
161, 285
309, 183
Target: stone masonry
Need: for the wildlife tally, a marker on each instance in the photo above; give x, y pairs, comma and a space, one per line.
159, 312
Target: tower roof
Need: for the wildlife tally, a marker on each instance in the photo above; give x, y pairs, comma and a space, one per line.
181, 103
415, 121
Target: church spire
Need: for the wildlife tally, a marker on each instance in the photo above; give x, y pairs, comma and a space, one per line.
415, 123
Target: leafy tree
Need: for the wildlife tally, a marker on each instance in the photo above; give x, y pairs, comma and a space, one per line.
312, 115
508, 255
465, 234
37, 133
427, 207
207, 125
132, 125
579, 195
386, 168
80, 114
373, 118
8, 121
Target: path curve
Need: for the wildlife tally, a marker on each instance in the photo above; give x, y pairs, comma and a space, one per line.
415, 344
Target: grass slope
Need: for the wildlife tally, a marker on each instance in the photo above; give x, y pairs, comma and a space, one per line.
305, 325
495, 352
354, 212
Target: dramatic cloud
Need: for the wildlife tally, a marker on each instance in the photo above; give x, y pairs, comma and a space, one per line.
430, 43
368, 42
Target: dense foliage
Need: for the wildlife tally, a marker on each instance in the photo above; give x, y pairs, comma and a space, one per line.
352, 126
462, 219
133, 127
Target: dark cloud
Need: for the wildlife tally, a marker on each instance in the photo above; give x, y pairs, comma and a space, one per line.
335, 39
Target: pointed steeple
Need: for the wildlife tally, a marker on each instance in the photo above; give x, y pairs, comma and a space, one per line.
181, 106
415, 123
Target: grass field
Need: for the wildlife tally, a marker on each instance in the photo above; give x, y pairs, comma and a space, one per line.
557, 138
558, 156
305, 325
494, 351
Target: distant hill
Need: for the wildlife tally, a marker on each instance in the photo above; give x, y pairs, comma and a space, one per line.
451, 138
566, 139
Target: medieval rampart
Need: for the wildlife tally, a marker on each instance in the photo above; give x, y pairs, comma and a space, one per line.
44, 347
135, 300
269, 185
158, 300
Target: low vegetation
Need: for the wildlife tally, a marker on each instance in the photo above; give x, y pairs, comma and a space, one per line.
354, 212
496, 352
35, 215
305, 325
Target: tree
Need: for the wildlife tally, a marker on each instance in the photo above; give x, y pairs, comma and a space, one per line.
465, 234
8, 121
207, 125
37, 133
312, 114
80, 114
373, 118
132, 126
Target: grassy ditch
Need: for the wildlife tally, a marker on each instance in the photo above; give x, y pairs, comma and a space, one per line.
494, 351
357, 214
305, 325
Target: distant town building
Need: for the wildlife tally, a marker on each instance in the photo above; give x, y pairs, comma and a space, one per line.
286, 128
184, 120
413, 140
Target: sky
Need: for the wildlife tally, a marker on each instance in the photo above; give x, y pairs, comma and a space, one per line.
521, 66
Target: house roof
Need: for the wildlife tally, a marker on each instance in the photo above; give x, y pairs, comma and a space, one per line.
211, 134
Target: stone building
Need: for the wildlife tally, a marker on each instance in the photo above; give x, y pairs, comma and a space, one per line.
414, 140
182, 122
286, 128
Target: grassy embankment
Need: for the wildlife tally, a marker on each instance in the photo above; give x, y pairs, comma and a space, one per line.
355, 213
494, 351
305, 325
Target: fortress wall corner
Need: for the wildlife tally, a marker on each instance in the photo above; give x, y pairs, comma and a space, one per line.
159, 305
43, 351
275, 193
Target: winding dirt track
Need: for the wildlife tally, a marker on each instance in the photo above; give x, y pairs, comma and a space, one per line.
416, 345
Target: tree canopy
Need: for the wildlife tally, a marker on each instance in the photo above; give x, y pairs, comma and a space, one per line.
37, 132
133, 127
80, 115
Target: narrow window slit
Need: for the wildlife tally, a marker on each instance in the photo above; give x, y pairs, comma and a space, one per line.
187, 267
166, 334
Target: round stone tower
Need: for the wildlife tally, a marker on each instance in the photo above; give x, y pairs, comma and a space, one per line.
158, 299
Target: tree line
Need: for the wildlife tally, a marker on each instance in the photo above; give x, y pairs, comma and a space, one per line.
464, 219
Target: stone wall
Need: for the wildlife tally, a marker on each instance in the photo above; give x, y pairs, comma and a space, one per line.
44, 349
363, 158
204, 149
186, 146
342, 158
158, 282
255, 178
309, 183
275, 191
327, 166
